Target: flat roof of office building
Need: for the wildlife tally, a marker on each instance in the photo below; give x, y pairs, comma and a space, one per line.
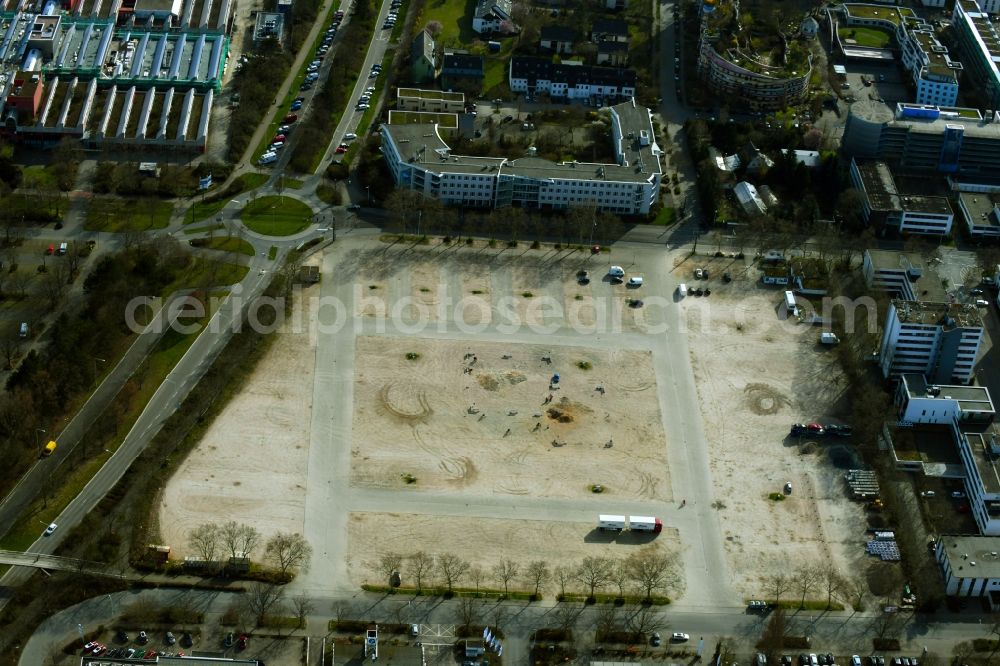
949, 315
430, 94
883, 195
422, 144
972, 556
970, 398
980, 207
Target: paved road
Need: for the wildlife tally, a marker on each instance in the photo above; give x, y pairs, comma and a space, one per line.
840, 633
167, 398
351, 118
32, 483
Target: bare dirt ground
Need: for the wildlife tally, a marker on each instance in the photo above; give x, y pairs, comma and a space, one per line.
260, 442
484, 543
490, 431
756, 375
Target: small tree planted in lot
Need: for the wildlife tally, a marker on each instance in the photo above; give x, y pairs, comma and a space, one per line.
288, 552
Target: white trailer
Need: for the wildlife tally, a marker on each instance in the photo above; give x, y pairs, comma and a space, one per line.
793, 309
828, 338
606, 522
645, 524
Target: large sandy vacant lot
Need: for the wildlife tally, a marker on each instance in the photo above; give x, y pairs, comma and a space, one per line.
251, 465
756, 375
461, 417
484, 543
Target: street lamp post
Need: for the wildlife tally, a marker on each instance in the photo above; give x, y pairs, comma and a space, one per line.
96, 359
38, 442
368, 189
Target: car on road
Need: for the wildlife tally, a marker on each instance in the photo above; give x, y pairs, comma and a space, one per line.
350, 136
50, 529
290, 118
295, 106
679, 637
354, 207
306, 85
285, 130
278, 138
362, 106
340, 150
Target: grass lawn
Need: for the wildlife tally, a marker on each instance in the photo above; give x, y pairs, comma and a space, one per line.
456, 26
866, 36
198, 230
37, 176
119, 214
328, 193
229, 245
665, 217
207, 273
161, 361
276, 216
205, 208
272, 252
292, 183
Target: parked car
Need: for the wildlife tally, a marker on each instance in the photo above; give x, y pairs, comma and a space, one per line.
295, 106
616, 272
679, 637
290, 118
142, 637
242, 642
635, 281
350, 136
170, 638
340, 150
229, 640
655, 639
699, 273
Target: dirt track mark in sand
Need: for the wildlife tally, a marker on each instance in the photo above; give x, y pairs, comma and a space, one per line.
461, 470
762, 399
398, 400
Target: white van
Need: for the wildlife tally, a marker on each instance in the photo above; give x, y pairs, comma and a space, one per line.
269, 157
682, 290
616, 272
63, 247
23, 331
635, 281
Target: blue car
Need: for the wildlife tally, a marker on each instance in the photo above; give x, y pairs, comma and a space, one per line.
295, 106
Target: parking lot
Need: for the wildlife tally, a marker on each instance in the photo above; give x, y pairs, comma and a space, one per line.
886, 82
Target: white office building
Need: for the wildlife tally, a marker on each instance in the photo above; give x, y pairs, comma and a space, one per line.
883, 205
935, 75
937, 340
421, 160
894, 272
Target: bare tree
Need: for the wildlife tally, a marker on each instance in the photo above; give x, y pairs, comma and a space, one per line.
779, 582
261, 598
505, 570
563, 575
469, 612
857, 587
594, 572
620, 576
452, 568
289, 551
772, 640
652, 570
422, 564
538, 575
566, 615
643, 620
204, 540
303, 606
805, 580
886, 624
11, 350
607, 618
476, 575
833, 583
389, 564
